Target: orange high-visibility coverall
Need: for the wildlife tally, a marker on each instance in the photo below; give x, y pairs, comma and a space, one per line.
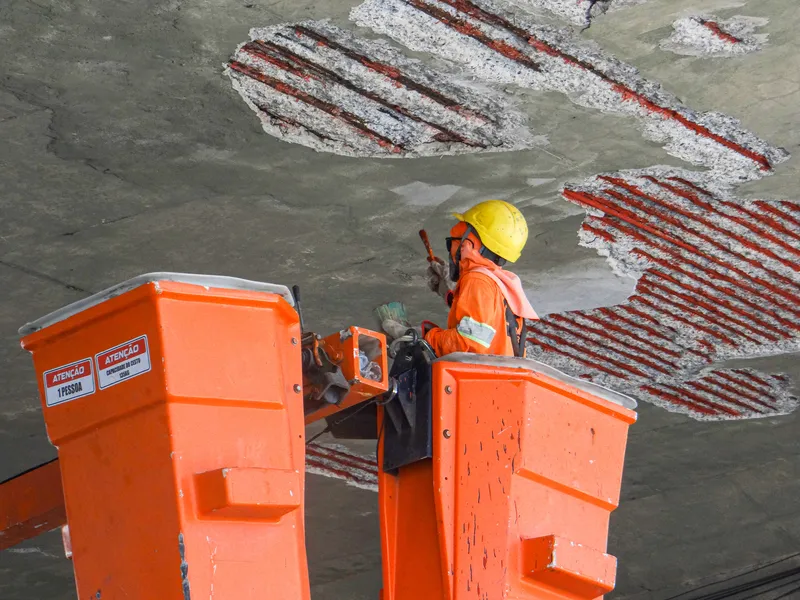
477, 320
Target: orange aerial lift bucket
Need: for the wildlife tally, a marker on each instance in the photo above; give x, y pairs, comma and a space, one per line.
178, 405
525, 468
171, 401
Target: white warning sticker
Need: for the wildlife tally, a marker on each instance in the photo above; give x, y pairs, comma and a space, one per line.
69, 382
123, 362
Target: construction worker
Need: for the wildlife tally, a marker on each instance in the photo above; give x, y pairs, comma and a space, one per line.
487, 303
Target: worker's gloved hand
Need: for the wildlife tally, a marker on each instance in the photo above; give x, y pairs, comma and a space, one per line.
439, 280
396, 329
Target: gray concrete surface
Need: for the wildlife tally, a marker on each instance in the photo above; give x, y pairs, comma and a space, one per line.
123, 149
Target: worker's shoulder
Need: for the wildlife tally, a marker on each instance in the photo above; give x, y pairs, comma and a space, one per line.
478, 279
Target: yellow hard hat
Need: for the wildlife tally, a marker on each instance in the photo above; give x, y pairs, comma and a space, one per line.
500, 225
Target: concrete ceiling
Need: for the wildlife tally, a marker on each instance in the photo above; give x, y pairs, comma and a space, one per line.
125, 149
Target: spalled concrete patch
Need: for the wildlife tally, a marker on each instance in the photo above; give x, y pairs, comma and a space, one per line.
317, 85
339, 462
718, 279
501, 47
708, 36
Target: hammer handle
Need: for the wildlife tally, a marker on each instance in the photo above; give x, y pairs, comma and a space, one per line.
423, 235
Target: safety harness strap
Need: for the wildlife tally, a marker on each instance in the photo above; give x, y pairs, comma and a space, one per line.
518, 341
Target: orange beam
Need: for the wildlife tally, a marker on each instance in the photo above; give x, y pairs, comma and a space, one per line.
31, 504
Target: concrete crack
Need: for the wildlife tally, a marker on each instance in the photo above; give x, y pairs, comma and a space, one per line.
45, 277
51, 132
100, 224
604, 5
177, 17
44, 10
101, 169
21, 96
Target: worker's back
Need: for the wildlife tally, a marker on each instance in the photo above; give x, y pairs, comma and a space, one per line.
477, 321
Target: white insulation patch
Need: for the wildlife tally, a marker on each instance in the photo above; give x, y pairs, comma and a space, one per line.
718, 279
314, 84
503, 48
418, 193
708, 36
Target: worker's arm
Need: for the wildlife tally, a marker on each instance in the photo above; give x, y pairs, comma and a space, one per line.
479, 317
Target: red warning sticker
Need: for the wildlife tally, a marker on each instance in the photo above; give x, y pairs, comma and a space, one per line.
69, 382
123, 362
